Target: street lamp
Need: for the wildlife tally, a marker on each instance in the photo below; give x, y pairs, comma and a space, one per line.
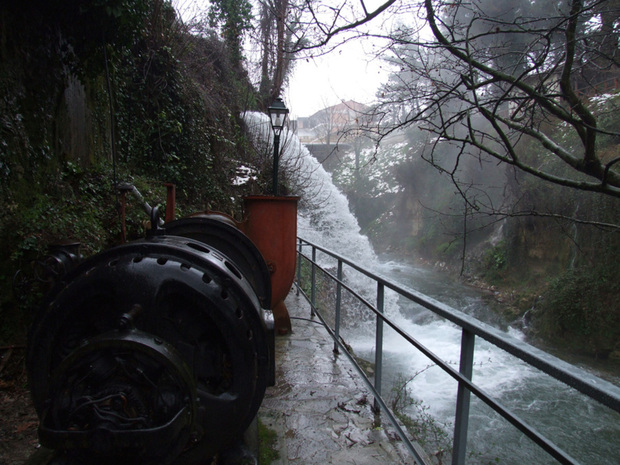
277, 113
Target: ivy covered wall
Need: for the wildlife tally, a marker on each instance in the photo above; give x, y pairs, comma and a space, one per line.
96, 92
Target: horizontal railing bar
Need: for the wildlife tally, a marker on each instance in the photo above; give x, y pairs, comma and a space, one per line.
598, 389
513, 419
341, 282
586, 383
403, 436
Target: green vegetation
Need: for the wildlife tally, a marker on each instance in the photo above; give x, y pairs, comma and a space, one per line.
580, 306
267, 441
494, 262
235, 17
98, 93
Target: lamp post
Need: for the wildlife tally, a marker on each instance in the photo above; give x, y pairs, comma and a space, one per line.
277, 113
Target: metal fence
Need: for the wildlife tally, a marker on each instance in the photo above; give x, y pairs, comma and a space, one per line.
597, 389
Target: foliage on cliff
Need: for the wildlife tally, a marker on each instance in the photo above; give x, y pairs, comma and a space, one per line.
94, 93
579, 310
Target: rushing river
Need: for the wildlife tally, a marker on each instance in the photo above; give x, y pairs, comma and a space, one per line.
588, 431
584, 429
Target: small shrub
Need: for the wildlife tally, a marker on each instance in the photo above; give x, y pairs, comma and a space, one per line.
423, 427
494, 262
580, 310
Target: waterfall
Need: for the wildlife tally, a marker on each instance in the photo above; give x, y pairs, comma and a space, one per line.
324, 215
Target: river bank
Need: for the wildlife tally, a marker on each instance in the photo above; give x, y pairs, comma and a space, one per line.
517, 305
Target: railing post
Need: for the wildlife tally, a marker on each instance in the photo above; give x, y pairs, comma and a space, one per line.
299, 248
461, 420
379, 342
313, 283
338, 300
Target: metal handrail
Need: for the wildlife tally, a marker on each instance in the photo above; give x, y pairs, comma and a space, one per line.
586, 383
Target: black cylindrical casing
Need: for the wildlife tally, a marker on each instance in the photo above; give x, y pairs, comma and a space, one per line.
116, 309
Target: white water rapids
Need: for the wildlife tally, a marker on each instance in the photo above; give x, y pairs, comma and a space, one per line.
584, 429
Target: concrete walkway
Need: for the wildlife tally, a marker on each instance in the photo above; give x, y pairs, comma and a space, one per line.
319, 407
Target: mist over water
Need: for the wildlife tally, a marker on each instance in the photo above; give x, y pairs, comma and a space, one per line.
326, 223
585, 430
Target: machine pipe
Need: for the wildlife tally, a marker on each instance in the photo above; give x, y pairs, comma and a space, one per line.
157, 351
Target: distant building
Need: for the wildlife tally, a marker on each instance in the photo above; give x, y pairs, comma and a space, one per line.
332, 124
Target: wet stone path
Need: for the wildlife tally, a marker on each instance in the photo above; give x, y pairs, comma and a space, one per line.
319, 408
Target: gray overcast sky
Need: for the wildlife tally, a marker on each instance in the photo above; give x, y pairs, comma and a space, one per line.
343, 74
